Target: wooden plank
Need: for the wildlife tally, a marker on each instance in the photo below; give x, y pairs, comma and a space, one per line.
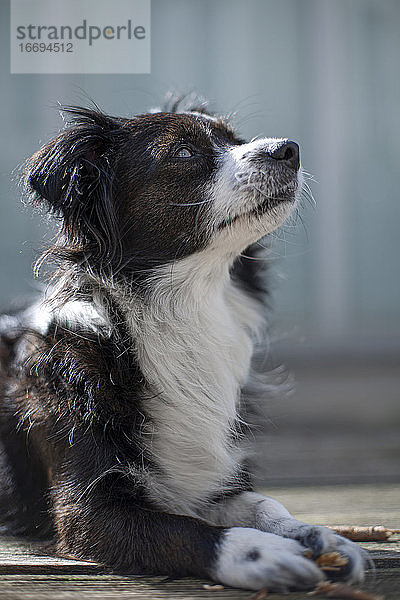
18, 556
385, 583
342, 504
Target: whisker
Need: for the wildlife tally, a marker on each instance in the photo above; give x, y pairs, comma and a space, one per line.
189, 203
309, 176
260, 258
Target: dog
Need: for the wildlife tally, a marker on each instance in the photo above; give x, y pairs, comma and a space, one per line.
125, 390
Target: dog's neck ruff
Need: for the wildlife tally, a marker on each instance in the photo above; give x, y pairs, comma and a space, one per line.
193, 336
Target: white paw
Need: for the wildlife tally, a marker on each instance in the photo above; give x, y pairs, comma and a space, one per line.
321, 539
252, 559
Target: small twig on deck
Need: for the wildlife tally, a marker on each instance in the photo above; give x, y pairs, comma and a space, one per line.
260, 595
376, 533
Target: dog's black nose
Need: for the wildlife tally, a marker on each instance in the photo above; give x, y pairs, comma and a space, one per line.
288, 153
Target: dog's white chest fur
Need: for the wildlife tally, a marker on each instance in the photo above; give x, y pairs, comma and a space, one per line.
194, 342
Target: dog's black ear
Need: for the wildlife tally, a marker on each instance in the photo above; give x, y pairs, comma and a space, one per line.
73, 176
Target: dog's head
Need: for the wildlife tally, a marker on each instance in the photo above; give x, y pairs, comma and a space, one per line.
136, 193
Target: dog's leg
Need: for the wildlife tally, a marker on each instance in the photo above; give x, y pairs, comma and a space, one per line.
108, 526
249, 509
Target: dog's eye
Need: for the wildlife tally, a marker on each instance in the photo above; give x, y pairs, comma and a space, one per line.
183, 152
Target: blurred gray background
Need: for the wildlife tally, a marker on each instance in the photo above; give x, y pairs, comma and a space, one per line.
324, 73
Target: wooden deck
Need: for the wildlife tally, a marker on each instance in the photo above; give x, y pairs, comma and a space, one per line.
27, 574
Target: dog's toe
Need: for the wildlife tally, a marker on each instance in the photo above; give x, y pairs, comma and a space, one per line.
321, 540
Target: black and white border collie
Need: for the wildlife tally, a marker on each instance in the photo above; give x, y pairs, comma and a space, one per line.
123, 392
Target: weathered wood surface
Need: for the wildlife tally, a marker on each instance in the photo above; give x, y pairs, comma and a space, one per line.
25, 573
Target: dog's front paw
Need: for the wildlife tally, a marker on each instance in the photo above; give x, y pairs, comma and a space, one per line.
252, 559
322, 540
